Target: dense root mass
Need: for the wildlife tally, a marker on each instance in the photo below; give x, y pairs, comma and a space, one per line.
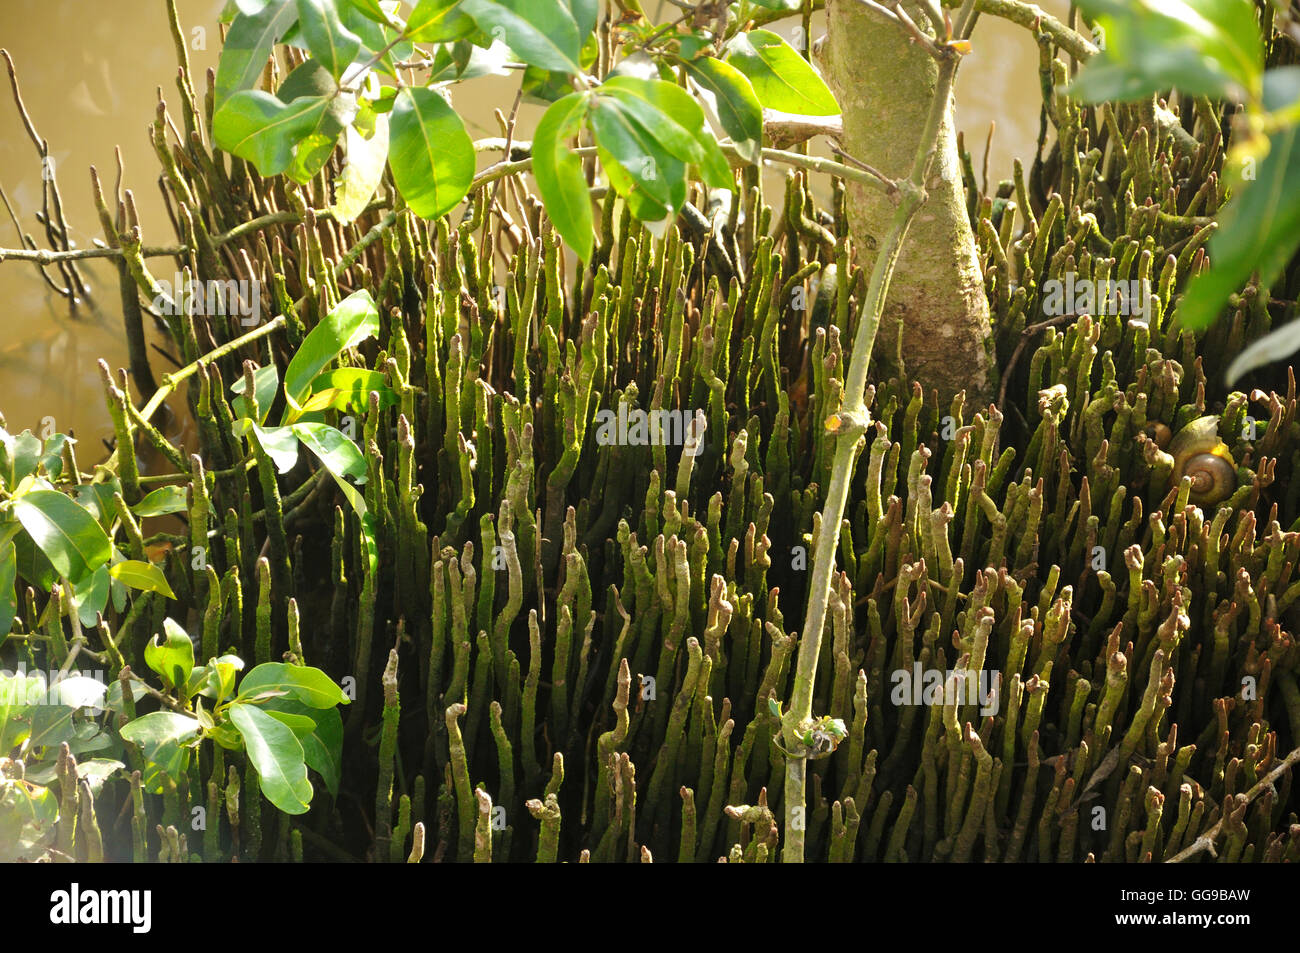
1039, 646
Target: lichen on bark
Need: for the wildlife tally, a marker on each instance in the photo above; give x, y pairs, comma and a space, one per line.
884, 84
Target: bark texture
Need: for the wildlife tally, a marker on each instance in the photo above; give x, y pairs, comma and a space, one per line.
884, 85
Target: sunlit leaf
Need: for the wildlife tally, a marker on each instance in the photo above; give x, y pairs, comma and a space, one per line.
141, 575
75, 544
558, 171
248, 45
541, 32
431, 154
782, 79
278, 757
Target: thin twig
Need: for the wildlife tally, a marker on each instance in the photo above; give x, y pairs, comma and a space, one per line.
1206, 840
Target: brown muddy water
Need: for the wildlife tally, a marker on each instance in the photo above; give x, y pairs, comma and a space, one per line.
90, 72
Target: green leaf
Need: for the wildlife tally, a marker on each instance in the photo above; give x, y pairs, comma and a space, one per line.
75, 544
430, 152
266, 381
277, 755
248, 44
362, 173
172, 659
164, 500
300, 725
733, 99
332, 44
1258, 230
8, 594
26, 456
260, 128
672, 120
322, 747
311, 79
1202, 47
342, 459
438, 21
351, 321
95, 771
584, 13
280, 443
559, 175
541, 32
90, 595
782, 79
376, 35
141, 575
308, 685
28, 815
648, 168
97, 499
348, 389
677, 122
216, 680
162, 737
52, 454
369, 9
76, 691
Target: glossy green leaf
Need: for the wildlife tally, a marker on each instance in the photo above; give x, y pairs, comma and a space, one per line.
90, 595
431, 154
141, 575
368, 8
280, 443
332, 44
782, 79
438, 21
349, 389
342, 459
351, 321
8, 594
257, 126
363, 171
97, 499
1258, 231
541, 32
558, 171
52, 454
248, 45
732, 98
308, 685
277, 755
310, 79
640, 165
75, 544
173, 658
26, 457
266, 381
1202, 47
164, 500
162, 737
677, 122
216, 680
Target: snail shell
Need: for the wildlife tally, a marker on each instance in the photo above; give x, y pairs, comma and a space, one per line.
1200, 454
1158, 432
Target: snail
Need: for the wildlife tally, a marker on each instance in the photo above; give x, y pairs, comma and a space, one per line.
1198, 452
